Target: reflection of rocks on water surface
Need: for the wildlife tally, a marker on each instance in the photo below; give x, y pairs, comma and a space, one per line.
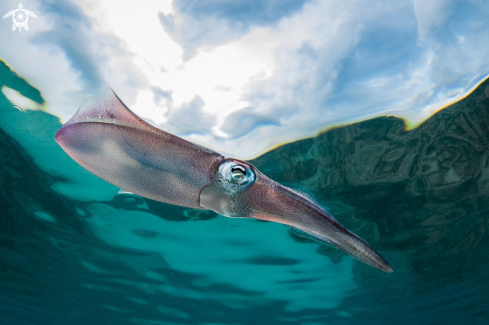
419, 197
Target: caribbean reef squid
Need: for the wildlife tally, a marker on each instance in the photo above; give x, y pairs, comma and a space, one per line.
110, 141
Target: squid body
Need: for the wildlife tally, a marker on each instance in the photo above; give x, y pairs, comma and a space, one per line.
106, 138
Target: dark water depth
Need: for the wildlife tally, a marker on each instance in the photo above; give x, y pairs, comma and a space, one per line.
74, 251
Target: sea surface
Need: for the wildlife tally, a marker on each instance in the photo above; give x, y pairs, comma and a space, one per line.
77, 250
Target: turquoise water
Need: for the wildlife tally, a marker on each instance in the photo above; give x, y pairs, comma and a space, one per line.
75, 250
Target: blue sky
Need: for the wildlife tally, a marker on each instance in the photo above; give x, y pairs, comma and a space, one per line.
244, 76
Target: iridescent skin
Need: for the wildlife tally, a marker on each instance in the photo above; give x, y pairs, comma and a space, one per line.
106, 138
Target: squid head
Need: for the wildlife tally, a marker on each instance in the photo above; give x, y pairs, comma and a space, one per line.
106, 138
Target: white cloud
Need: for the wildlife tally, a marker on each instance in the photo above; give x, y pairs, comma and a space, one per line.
431, 16
255, 80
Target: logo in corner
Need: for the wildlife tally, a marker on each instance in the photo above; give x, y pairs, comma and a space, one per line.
20, 17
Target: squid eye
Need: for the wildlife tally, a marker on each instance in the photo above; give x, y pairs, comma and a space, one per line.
232, 176
238, 173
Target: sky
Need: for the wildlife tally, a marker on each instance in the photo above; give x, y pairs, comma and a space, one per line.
242, 77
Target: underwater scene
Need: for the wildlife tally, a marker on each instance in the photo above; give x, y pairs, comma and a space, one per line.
78, 250
302, 162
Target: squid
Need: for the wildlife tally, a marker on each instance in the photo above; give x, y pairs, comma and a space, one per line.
110, 141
